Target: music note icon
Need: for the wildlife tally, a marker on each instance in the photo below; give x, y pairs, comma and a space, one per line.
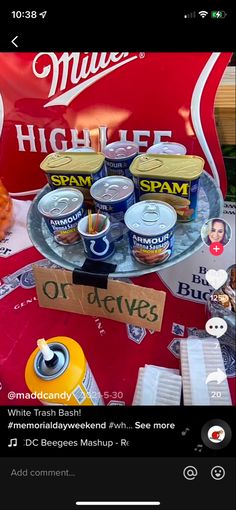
198, 448
184, 432
13, 442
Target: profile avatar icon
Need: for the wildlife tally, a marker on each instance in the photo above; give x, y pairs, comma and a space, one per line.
216, 230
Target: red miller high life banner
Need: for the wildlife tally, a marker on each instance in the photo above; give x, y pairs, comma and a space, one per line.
51, 102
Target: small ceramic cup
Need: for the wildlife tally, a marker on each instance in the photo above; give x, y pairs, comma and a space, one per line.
98, 246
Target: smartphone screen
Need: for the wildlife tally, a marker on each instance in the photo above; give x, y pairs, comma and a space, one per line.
117, 258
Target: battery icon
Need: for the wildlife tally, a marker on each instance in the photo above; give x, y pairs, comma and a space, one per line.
218, 14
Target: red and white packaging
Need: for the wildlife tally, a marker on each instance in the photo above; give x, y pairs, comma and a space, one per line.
53, 101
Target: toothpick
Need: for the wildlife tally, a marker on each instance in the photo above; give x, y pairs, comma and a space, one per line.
90, 225
96, 222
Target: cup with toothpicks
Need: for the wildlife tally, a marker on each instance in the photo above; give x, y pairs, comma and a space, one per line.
95, 231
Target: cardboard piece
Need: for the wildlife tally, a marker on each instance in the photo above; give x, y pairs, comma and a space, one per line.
121, 302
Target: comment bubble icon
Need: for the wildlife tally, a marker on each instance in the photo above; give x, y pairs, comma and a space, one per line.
216, 327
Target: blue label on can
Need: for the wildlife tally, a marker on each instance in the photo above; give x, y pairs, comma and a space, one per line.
151, 250
65, 229
115, 210
100, 174
120, 166
182, 195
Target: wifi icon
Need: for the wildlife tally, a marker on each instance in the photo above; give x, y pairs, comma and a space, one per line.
203, 14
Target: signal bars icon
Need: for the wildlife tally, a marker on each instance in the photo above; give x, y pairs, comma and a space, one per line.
190, 15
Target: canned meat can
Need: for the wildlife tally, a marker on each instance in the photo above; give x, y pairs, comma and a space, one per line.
150, 229
113, 195
167, 148
61, 210
171, 179
74, 169
119, 156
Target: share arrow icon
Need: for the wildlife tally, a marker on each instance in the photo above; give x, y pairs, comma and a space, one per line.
219, 376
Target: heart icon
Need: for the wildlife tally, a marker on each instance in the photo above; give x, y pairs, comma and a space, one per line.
216, 278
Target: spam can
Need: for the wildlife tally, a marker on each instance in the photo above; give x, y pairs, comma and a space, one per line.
150, 230
61, 210
58, 373
119, 156
169, 178
167, 148
74, 169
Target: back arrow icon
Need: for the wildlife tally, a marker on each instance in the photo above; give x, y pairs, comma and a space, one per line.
13, 41
219, 376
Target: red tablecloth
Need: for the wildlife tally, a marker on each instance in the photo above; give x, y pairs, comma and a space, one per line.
113, 357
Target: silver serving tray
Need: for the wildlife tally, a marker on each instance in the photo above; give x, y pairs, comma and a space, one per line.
187, 236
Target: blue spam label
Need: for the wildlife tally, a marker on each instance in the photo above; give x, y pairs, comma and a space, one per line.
151, 250
182, 195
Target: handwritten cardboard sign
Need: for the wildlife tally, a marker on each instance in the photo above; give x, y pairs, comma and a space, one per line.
121, 302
